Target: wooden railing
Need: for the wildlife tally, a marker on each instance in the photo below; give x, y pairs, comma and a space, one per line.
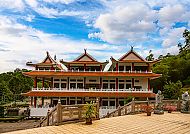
64, 113
135, 107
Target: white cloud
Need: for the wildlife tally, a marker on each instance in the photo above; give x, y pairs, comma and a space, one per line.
130, 23
61, 1
24, 44
172, 36
12, 4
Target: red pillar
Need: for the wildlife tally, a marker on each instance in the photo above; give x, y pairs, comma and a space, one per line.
84, 83
69, 67
100, 82
35, 99
148, 84
35, 82
51, 82
84, 67
116, 66
31, 101
68, 83
133, 67
43, 82
100, 67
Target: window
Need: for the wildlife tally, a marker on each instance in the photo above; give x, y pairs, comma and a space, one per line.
105, 80
121, 103
79, 85
63, 85
56, 85
128, 68
105, 85
79, 80
92, 80
121, 86
105, 103
72, 102
56, 79
136, 80
72, 85
72, 79
63, 80
128, 80
128, 86
121, 80
112, 80
112, 86
112, 103
121, 68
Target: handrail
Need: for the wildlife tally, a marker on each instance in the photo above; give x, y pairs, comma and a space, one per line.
60, 114
92, 90
86, 71
134, 107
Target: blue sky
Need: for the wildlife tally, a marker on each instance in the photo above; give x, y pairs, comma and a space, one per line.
29, 28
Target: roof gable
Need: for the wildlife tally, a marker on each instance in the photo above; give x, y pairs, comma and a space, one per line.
131, 56
85, 57
48, 59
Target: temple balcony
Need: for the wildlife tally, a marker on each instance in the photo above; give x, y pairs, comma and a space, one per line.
130, 90
128, 71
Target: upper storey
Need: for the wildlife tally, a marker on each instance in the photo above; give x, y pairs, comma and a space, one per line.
47, 64
131, 61
85, 62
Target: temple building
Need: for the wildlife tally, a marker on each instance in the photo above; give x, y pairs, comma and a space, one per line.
85, 79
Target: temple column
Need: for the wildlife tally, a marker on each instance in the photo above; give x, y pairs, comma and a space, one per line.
117, 66
35, 104
43, 79
133, 67
84, 67
51, 85
68, 83
148, 84
101, 68
31, 101
35, 82
84, 82
100, 82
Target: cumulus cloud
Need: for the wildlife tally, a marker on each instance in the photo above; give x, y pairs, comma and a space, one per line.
25, 44
129, 23
12, 4
172, 36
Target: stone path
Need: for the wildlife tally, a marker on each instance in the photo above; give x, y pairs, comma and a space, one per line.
174, 123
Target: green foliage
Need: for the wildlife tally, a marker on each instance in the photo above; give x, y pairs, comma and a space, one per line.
172, 90
90, 110
128, 99
150, 57
12, 84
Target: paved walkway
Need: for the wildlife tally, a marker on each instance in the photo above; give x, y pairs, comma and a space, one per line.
174, 123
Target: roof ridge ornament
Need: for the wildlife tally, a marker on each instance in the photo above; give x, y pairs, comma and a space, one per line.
85, 50
132, 47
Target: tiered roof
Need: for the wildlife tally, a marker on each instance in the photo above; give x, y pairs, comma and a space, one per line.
47, 62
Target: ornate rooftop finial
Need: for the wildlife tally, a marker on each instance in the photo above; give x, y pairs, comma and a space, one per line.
47, 53
85, 50
132, 48
55, 58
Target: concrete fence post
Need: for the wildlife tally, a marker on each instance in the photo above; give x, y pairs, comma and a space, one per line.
133, 106
178, 104
59, 112
48, 117
97, 108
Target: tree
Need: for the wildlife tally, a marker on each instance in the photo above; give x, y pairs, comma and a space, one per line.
150, 57
172, 90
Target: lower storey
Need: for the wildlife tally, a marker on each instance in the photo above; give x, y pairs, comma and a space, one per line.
103, 101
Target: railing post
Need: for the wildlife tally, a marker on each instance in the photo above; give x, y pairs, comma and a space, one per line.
119, 110
97, 108
59, 112
48, 117
178, 104
80, 112
133, 106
